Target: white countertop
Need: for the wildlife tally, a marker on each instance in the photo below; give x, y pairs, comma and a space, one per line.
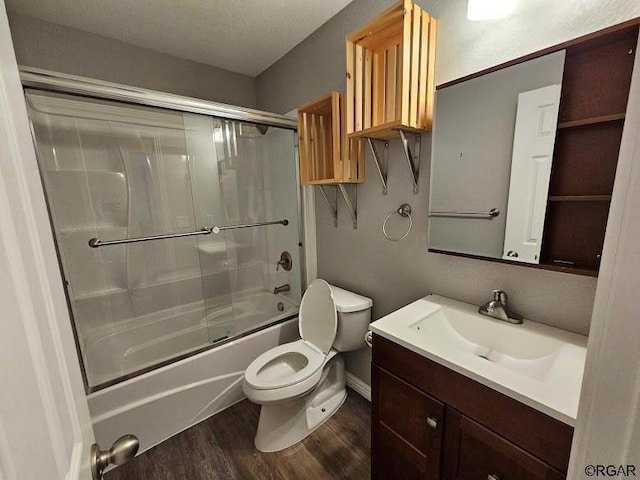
538, 365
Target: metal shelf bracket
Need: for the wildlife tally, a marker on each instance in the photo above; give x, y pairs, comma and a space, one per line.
351, 202
331, 204
382, 163
412, 156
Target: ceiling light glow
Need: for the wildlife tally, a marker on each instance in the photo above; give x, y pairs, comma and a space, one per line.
489, 9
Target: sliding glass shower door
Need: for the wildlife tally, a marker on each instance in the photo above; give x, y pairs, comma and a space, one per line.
118, 171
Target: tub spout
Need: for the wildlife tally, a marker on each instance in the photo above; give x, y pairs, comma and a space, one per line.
282, 288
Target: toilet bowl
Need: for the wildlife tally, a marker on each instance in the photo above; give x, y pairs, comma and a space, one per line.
301, 384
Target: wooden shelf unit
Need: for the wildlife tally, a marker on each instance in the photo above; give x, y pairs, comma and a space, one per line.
595, 91
326, 155
389, 67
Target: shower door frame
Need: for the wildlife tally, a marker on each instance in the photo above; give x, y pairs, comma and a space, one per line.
47, 80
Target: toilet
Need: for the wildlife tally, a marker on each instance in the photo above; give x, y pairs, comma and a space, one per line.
301, 384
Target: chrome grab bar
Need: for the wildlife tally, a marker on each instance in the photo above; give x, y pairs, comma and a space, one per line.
96, 242
494, 212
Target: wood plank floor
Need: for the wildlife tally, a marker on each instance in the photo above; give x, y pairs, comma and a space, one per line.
222, 448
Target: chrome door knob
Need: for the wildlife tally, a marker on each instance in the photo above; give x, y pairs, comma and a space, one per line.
122, 450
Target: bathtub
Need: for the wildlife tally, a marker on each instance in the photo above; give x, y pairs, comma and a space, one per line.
164, 401
137, 344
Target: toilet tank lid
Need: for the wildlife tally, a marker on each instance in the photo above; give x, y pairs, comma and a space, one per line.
347, 301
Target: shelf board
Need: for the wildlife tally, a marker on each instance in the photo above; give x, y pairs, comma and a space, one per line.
592, 121
329, 181
580, 198
577, 270
589, 272
386, 131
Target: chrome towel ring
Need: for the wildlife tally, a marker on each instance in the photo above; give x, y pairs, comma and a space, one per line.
404, 211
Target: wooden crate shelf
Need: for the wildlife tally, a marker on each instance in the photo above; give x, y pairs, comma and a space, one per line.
390, 65
326, 155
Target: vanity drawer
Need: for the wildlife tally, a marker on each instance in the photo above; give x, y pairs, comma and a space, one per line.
412, 414
474, 452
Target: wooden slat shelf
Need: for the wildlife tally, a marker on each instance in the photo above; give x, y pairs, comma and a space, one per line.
326, 155
390, 69
592, 121
580, 198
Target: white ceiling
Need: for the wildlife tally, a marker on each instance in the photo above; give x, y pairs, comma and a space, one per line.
244, 36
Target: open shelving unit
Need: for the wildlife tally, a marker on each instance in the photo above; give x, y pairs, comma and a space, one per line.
390, 73
595, 90
328, 158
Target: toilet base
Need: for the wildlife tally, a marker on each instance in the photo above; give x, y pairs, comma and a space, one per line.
286, 423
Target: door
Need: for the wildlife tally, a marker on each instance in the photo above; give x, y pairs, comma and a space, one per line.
45, 427
406, 430
533, 140
473, 452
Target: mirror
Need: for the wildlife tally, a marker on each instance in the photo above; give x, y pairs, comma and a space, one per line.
493, 148
525, 154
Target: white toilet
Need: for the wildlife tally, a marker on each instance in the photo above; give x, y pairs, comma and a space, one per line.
301, 384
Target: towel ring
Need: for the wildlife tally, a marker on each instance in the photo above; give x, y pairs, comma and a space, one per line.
404, 211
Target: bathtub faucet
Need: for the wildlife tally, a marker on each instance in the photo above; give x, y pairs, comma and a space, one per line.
282, 288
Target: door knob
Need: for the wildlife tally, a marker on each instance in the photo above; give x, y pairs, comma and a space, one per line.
122, 450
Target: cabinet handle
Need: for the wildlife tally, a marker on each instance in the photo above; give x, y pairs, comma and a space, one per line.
433, 423
493, 477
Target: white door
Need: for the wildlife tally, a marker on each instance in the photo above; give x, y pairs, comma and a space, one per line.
45, 428
533, 140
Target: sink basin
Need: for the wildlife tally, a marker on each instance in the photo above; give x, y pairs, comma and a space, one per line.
534, 363
517, 349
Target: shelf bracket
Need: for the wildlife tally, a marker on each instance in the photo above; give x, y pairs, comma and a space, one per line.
382, 164
413, 157
332, 205
352, 203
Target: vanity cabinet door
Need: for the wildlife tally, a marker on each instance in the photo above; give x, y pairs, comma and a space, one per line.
473, 452
407, 430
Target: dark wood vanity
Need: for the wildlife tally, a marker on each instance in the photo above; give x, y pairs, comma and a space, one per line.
429, 422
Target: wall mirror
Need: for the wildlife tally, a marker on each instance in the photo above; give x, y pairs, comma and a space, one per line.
524, 156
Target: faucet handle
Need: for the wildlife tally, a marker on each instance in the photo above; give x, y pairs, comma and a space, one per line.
500, 296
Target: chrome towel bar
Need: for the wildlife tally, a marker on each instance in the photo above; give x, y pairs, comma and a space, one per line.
494, 212
96, 242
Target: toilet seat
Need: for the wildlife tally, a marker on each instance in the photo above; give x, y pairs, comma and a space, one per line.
281, 367
299, 364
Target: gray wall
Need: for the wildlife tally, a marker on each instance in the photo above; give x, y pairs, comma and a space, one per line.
472, 150
394, 274
63, 49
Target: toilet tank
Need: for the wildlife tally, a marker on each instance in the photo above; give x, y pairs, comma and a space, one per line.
354, 315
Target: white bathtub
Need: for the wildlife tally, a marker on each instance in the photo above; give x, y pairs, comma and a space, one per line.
158, 404
113, 351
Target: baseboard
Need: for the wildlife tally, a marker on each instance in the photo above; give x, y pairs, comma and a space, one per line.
358, 386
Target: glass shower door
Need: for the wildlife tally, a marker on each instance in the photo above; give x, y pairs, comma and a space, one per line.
246, 175
115, 171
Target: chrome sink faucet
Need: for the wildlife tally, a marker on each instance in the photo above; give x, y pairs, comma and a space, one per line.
497, 308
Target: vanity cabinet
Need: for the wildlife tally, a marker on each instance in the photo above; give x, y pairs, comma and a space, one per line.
429, 422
